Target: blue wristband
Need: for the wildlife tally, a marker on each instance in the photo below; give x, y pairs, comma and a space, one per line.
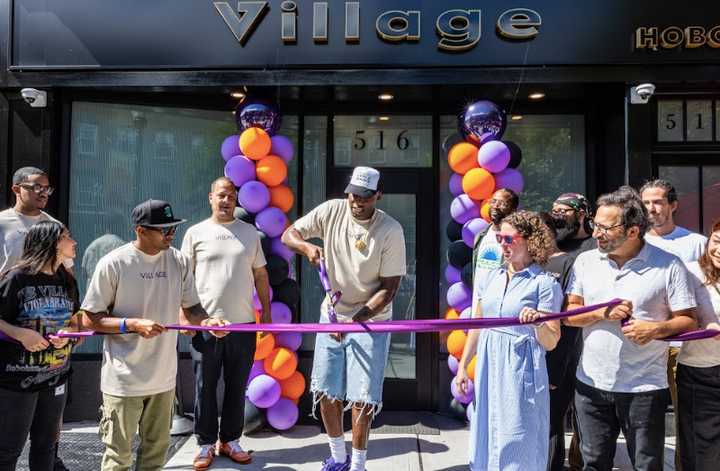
123, 325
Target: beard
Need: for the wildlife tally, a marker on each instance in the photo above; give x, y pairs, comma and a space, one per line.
566, 230
496, 216
610, 246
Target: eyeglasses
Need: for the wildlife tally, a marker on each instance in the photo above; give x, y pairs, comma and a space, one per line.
165, 231
37, 188
507, 238
561, 211
499, 203
603, 229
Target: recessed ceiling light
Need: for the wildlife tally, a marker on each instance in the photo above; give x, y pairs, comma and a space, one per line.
516, 117
238, 95
384, 118
386, 96
536, 96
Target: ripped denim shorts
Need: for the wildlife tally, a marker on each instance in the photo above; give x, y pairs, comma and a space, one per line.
352, 369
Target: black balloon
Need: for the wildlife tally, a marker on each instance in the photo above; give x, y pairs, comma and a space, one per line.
266, 243
244, 215
287, 292
277, 269
453, 230
450, 141
467, 274
459, 254
515, 154
254, 418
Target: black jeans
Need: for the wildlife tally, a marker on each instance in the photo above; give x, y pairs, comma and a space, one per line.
231, 356
699, 417
560, 399
38, 414
641, 417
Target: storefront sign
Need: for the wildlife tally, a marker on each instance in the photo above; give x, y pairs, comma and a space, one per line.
673, 37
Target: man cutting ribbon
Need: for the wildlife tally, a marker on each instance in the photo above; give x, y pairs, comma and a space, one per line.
364, 253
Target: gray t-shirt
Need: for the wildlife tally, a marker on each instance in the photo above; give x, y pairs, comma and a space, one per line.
131, 283
687, 245
13, 230
657, 284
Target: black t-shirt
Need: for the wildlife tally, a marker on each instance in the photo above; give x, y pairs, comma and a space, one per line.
44, 303
574, 247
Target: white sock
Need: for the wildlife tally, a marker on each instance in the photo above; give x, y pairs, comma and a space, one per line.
337, 448
357, 463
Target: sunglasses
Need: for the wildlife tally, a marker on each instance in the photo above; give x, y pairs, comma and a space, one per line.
165, 231
37, 189
507, 238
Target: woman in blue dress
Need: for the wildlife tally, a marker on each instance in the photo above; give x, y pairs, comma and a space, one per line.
510, 426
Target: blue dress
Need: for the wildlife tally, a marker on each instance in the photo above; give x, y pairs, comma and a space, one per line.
510, 427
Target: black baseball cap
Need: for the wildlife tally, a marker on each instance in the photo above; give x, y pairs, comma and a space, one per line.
155, 213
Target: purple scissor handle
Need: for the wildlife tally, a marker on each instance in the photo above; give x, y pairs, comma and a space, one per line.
333, 298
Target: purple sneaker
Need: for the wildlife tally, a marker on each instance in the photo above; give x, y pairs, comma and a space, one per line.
330, 465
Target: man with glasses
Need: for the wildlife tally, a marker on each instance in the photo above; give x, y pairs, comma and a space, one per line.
621, 379
137, 289
32, 190
487, 252
571, 217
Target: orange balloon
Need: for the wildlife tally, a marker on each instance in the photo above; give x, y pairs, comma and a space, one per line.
478, 183
255, 143
282, 197
456, 343
293, 387
281, 363
485, 212
463, 157
264, 346
452, 314
471, 368
271, 170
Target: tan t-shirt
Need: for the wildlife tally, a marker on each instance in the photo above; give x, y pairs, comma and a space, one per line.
223, 257
131, 283
13, 230
356, 272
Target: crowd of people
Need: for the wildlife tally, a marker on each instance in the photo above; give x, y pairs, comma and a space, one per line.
604, 371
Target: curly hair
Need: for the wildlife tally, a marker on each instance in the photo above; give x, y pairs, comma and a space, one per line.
535, 232
711, 272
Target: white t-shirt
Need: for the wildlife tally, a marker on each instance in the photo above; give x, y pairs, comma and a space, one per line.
656, 282
131, 283
223, 257
13, 230
354, 272
702, 353
490, 254
681, 242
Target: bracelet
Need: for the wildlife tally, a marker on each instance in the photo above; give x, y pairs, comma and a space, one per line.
123, 325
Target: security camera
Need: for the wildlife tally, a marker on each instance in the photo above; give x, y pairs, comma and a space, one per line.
34, 97
640, 94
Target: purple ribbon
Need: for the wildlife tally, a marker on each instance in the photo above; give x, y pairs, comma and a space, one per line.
333, 298
420, 325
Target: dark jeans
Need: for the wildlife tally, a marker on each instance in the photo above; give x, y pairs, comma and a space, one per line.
560, 399
641, 417
38, 414
699, 417
231, 356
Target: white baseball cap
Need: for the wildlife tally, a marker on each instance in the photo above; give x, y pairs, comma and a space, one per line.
364, 182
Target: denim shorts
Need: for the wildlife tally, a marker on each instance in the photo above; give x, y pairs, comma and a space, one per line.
352, 369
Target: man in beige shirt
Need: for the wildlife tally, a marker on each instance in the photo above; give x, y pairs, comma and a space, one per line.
365, 258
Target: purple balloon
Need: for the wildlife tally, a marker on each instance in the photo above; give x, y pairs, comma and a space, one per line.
455, 184
452, 274
280, 313
459, 296
254, 196
462, 398
240, 170
283, 415
471, 229
470, 411
494, 156
283, 147
291, 340
510, 178
482, 121
271, 221
256, 300
250, 114
453, 364
263, 391
280, 249
463, 208
230, 147
466, 313
258, 368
